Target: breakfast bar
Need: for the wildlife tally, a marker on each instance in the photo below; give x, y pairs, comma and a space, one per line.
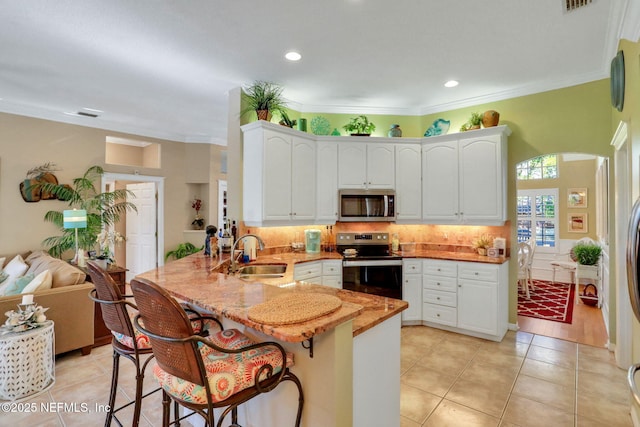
348, 360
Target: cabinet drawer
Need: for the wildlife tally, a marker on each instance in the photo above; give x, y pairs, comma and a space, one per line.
332, 281
439, 283
440, 297
304, 271
475, 271
412, 266
331, 268
439, 314
439, 268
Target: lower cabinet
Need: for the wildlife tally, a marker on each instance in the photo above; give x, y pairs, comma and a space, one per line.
412, 290
466, 297
327, 272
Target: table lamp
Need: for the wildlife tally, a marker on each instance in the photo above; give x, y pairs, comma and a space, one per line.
75, 218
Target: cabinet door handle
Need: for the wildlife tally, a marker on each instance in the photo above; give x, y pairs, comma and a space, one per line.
438, 298
476, 273
438, 315
438, 283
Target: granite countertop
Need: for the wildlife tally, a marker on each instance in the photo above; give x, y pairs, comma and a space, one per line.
453, 256
203, 281
199, 280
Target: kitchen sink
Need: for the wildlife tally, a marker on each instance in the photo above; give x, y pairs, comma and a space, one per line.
262, 270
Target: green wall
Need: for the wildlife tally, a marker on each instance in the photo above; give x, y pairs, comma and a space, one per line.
631, 115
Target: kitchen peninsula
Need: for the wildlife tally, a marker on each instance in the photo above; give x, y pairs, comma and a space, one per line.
353, 377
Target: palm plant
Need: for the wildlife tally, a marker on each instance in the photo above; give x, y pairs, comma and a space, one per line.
103, 210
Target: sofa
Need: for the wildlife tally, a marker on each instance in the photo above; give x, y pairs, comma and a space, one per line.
70, 307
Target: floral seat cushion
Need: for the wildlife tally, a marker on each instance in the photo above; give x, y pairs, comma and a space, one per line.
143, 341
227, 373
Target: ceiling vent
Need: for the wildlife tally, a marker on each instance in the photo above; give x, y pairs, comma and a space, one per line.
83, 113
571, 5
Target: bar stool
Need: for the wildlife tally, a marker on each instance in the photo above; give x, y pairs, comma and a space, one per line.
223, 370
127, 341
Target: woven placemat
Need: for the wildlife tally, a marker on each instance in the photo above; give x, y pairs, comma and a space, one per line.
294, 308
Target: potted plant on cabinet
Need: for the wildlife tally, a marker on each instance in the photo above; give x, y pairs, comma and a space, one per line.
360, 126
264, 98
474, 122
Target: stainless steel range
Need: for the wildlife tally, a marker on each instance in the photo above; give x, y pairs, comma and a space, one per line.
368, 266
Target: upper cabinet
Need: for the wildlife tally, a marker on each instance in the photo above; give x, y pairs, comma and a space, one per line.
279, 180
408, 171
327, 185
366, 165
464, 179
292, 177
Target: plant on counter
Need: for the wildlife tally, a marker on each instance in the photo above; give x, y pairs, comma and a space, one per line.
183, 250
482, 243
587, 253
359, 126
264, 98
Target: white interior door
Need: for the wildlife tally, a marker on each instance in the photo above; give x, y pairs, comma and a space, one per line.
141, 230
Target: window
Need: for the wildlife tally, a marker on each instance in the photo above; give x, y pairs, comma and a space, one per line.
542, 167
537, 216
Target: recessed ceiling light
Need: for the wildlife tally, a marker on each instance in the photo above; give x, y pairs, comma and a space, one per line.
451, 83
293, 56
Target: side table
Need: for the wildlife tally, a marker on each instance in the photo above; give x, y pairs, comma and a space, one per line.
101, 334
27, 364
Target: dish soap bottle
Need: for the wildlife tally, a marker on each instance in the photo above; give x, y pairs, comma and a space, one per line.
395, 242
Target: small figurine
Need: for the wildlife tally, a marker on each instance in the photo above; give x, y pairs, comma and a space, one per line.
211, 241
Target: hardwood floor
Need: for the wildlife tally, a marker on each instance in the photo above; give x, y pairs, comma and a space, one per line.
587, 326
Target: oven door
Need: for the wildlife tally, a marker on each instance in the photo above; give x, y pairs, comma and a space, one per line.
378, 277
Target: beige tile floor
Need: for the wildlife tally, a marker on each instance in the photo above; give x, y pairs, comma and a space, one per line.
447, 380
525, 380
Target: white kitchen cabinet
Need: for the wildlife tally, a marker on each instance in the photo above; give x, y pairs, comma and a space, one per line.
466, 297
332, 273
279, 179
327, 190
482, 298
408, 171
439, 292
464, 179
366, 165
412, 290
310, 272
324, 272
440, 183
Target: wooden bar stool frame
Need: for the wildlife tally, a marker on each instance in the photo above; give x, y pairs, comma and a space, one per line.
116, 318
177, 353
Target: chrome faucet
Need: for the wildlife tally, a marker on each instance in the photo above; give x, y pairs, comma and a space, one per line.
234, 263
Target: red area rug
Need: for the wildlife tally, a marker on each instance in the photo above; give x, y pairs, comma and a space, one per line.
549, 301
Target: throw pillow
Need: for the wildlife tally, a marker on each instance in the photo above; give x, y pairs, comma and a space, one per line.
16, 267
3, 276
39, 283
18, 285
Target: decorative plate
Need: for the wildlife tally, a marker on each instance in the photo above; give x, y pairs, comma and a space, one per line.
439, 127
617, 81
320, 126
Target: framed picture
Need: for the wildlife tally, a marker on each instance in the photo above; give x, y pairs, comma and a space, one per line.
578, 223
577, 197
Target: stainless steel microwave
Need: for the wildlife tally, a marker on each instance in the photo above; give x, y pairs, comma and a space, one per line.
367, 205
